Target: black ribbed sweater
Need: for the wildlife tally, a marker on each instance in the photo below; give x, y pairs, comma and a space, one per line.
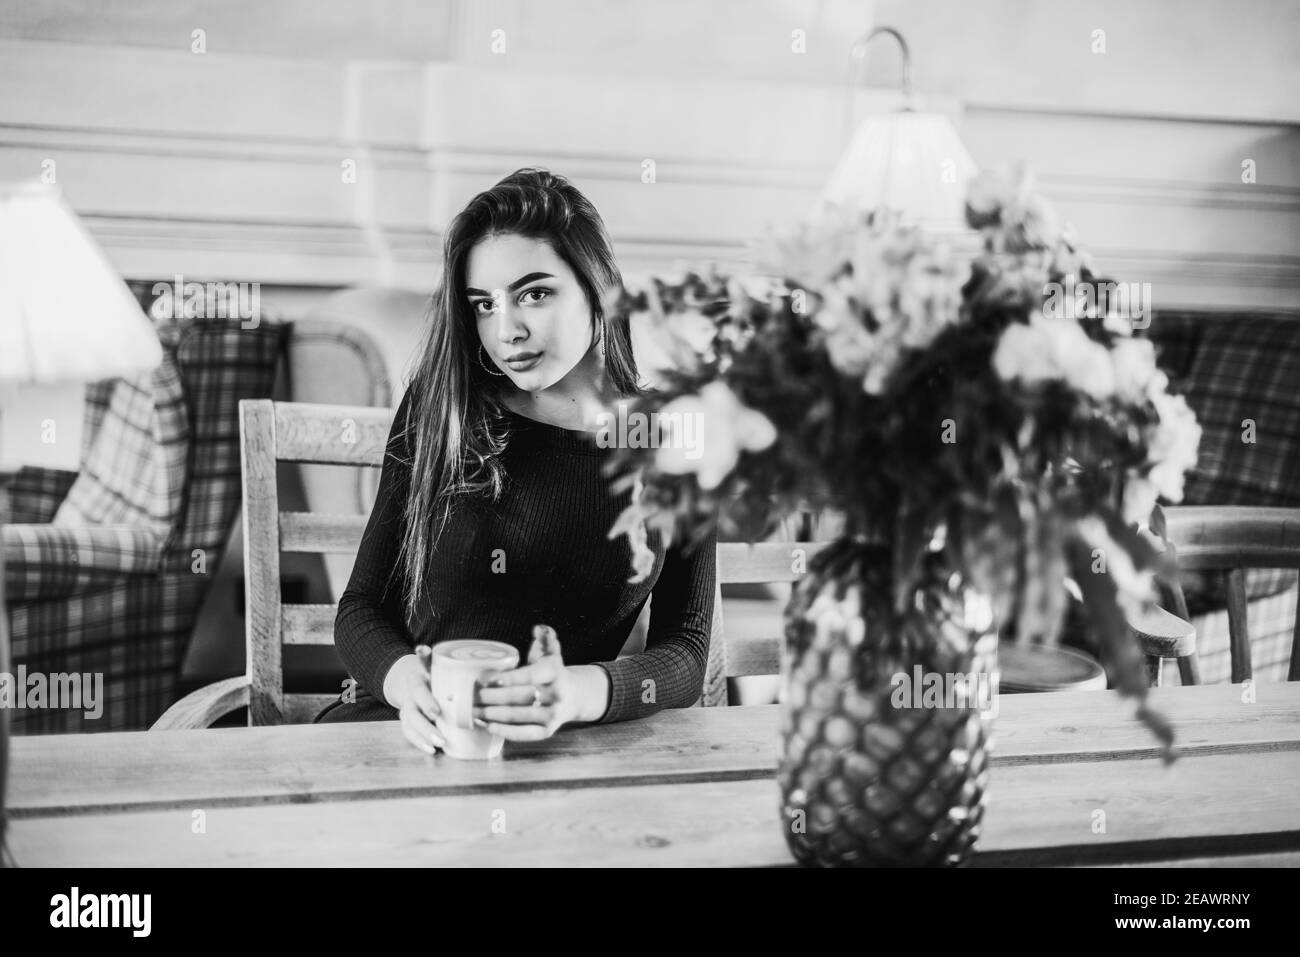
537, 555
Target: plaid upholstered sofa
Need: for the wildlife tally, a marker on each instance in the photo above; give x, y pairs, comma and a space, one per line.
106, 568
1240, 372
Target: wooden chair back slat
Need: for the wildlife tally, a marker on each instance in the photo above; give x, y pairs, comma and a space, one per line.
757, 656
302, 708
261, 524
331, 434
308, 624
310, 532
1228, 540
764, 562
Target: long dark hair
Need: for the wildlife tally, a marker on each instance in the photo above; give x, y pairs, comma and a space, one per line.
456, 429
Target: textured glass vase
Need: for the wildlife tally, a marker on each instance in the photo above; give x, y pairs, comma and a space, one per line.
886, 718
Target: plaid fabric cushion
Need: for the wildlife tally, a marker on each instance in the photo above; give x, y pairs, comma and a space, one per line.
49, 561
36, 492
134, 469
132, 633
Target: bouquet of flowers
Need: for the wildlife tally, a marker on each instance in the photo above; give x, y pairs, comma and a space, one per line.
992, 406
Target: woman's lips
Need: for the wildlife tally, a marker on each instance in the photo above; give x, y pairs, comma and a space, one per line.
526, 362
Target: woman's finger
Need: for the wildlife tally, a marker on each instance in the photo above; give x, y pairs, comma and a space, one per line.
545, 643
513, 714
420, 731
420, 741
521, 732
516, 694
542, 672
423, 699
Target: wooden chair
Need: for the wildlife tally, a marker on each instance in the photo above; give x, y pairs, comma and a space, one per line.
1023, 669
1225, 540
761, 563
270, 433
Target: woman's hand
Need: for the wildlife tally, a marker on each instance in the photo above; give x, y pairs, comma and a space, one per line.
406, 687
533, 702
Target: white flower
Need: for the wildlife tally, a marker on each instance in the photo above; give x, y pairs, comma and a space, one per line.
678, 340
1054, 350
1067, 258
694, 328
910, 289
1020, 355
728, 428
849, 345
812, 253
1037, 221
1136, 373
1174, 445
1006, 205
1139, 500
989, 192
1089, 371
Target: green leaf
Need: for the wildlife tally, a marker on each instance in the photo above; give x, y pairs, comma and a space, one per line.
1119, 650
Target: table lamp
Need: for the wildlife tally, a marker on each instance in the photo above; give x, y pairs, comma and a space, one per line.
908, 161
65, 317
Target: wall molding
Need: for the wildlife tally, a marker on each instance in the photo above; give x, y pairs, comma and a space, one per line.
157, 148
237, 193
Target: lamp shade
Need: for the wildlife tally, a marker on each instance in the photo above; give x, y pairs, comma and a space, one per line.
65, 314
910, 162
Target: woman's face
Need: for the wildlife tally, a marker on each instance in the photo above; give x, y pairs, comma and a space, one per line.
533, 317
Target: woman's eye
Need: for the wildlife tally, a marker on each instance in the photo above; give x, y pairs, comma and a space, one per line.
478, 307
540, 293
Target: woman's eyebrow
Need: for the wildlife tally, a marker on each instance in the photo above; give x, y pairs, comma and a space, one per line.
521, 281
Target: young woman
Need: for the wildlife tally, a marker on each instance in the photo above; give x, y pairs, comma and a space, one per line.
492, 509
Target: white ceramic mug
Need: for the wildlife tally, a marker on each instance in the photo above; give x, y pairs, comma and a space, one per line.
454, 668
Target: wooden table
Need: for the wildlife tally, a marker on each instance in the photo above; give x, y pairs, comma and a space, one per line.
687, 787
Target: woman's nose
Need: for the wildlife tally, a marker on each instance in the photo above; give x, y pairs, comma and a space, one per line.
509, 325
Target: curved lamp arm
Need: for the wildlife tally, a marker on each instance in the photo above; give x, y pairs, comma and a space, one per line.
858, 57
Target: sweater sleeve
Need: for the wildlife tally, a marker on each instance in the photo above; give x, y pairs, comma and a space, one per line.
670, 672
369, 630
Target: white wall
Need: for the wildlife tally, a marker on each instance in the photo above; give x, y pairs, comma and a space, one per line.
227, 164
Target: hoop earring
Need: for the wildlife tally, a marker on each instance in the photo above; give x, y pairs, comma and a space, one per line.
481, 363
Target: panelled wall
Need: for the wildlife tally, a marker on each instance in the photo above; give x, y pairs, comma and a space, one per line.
237, 162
